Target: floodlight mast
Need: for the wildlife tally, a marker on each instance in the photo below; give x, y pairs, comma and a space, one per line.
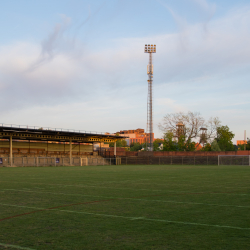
150, 48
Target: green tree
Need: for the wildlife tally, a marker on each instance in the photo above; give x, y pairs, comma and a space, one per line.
124, 143
224, 138
215, 146
248, 145
189, 146
181, 143
168, 143
156, 144
119, 144
135, 146
207, 147
184, 145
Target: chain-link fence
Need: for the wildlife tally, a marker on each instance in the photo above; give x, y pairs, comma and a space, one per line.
234, 160
171, 160
57, 161
133, 160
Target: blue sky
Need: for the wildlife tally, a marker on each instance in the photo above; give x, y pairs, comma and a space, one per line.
80, 64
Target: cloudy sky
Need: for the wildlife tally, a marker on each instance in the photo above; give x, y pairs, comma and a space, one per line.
80, 64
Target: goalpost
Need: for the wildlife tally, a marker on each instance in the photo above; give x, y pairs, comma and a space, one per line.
234, 160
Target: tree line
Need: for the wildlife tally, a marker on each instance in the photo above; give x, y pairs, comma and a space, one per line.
184, 131
136, 146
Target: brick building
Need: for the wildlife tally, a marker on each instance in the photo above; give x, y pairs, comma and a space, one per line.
137, 135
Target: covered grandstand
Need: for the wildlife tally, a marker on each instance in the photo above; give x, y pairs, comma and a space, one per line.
26, 140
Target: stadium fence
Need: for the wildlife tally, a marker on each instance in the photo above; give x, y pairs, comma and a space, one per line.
187, 160
55, 161
171, 160
132, 160
233, 160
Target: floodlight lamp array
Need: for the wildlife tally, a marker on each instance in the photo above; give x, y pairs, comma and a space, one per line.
150, 48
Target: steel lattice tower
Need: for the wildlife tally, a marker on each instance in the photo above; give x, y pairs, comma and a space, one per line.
150, 49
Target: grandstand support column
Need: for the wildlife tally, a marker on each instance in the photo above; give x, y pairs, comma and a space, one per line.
115, 152
70, 151
11, 158
115, 149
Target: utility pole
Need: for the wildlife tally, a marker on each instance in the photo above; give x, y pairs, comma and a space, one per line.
150, 68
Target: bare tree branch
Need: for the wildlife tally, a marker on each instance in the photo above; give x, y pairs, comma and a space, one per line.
192, 121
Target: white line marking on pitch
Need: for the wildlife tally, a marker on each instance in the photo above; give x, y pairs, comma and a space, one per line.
106, 182
49, 184
128, 198
137, 218
15, 246
154, 190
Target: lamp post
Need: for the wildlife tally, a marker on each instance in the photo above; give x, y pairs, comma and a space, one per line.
150, 48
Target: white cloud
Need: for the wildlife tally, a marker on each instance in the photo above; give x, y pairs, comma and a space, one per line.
115, 77
209, 8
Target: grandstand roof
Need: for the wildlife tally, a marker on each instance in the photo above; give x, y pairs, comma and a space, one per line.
48, 134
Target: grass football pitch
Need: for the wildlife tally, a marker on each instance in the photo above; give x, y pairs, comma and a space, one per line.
125, 207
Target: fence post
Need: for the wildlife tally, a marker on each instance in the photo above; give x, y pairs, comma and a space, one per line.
171, 159
249, 161
182, 160
37, 161
127, 160
207, 160
159, 161
55, 161
194, 160
218, 160
22, 160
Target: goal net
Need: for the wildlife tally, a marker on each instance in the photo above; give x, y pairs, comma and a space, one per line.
234, 160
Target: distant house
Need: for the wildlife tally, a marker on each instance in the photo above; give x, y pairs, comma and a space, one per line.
198, 146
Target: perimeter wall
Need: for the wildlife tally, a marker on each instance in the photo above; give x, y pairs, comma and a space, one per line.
123, 153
